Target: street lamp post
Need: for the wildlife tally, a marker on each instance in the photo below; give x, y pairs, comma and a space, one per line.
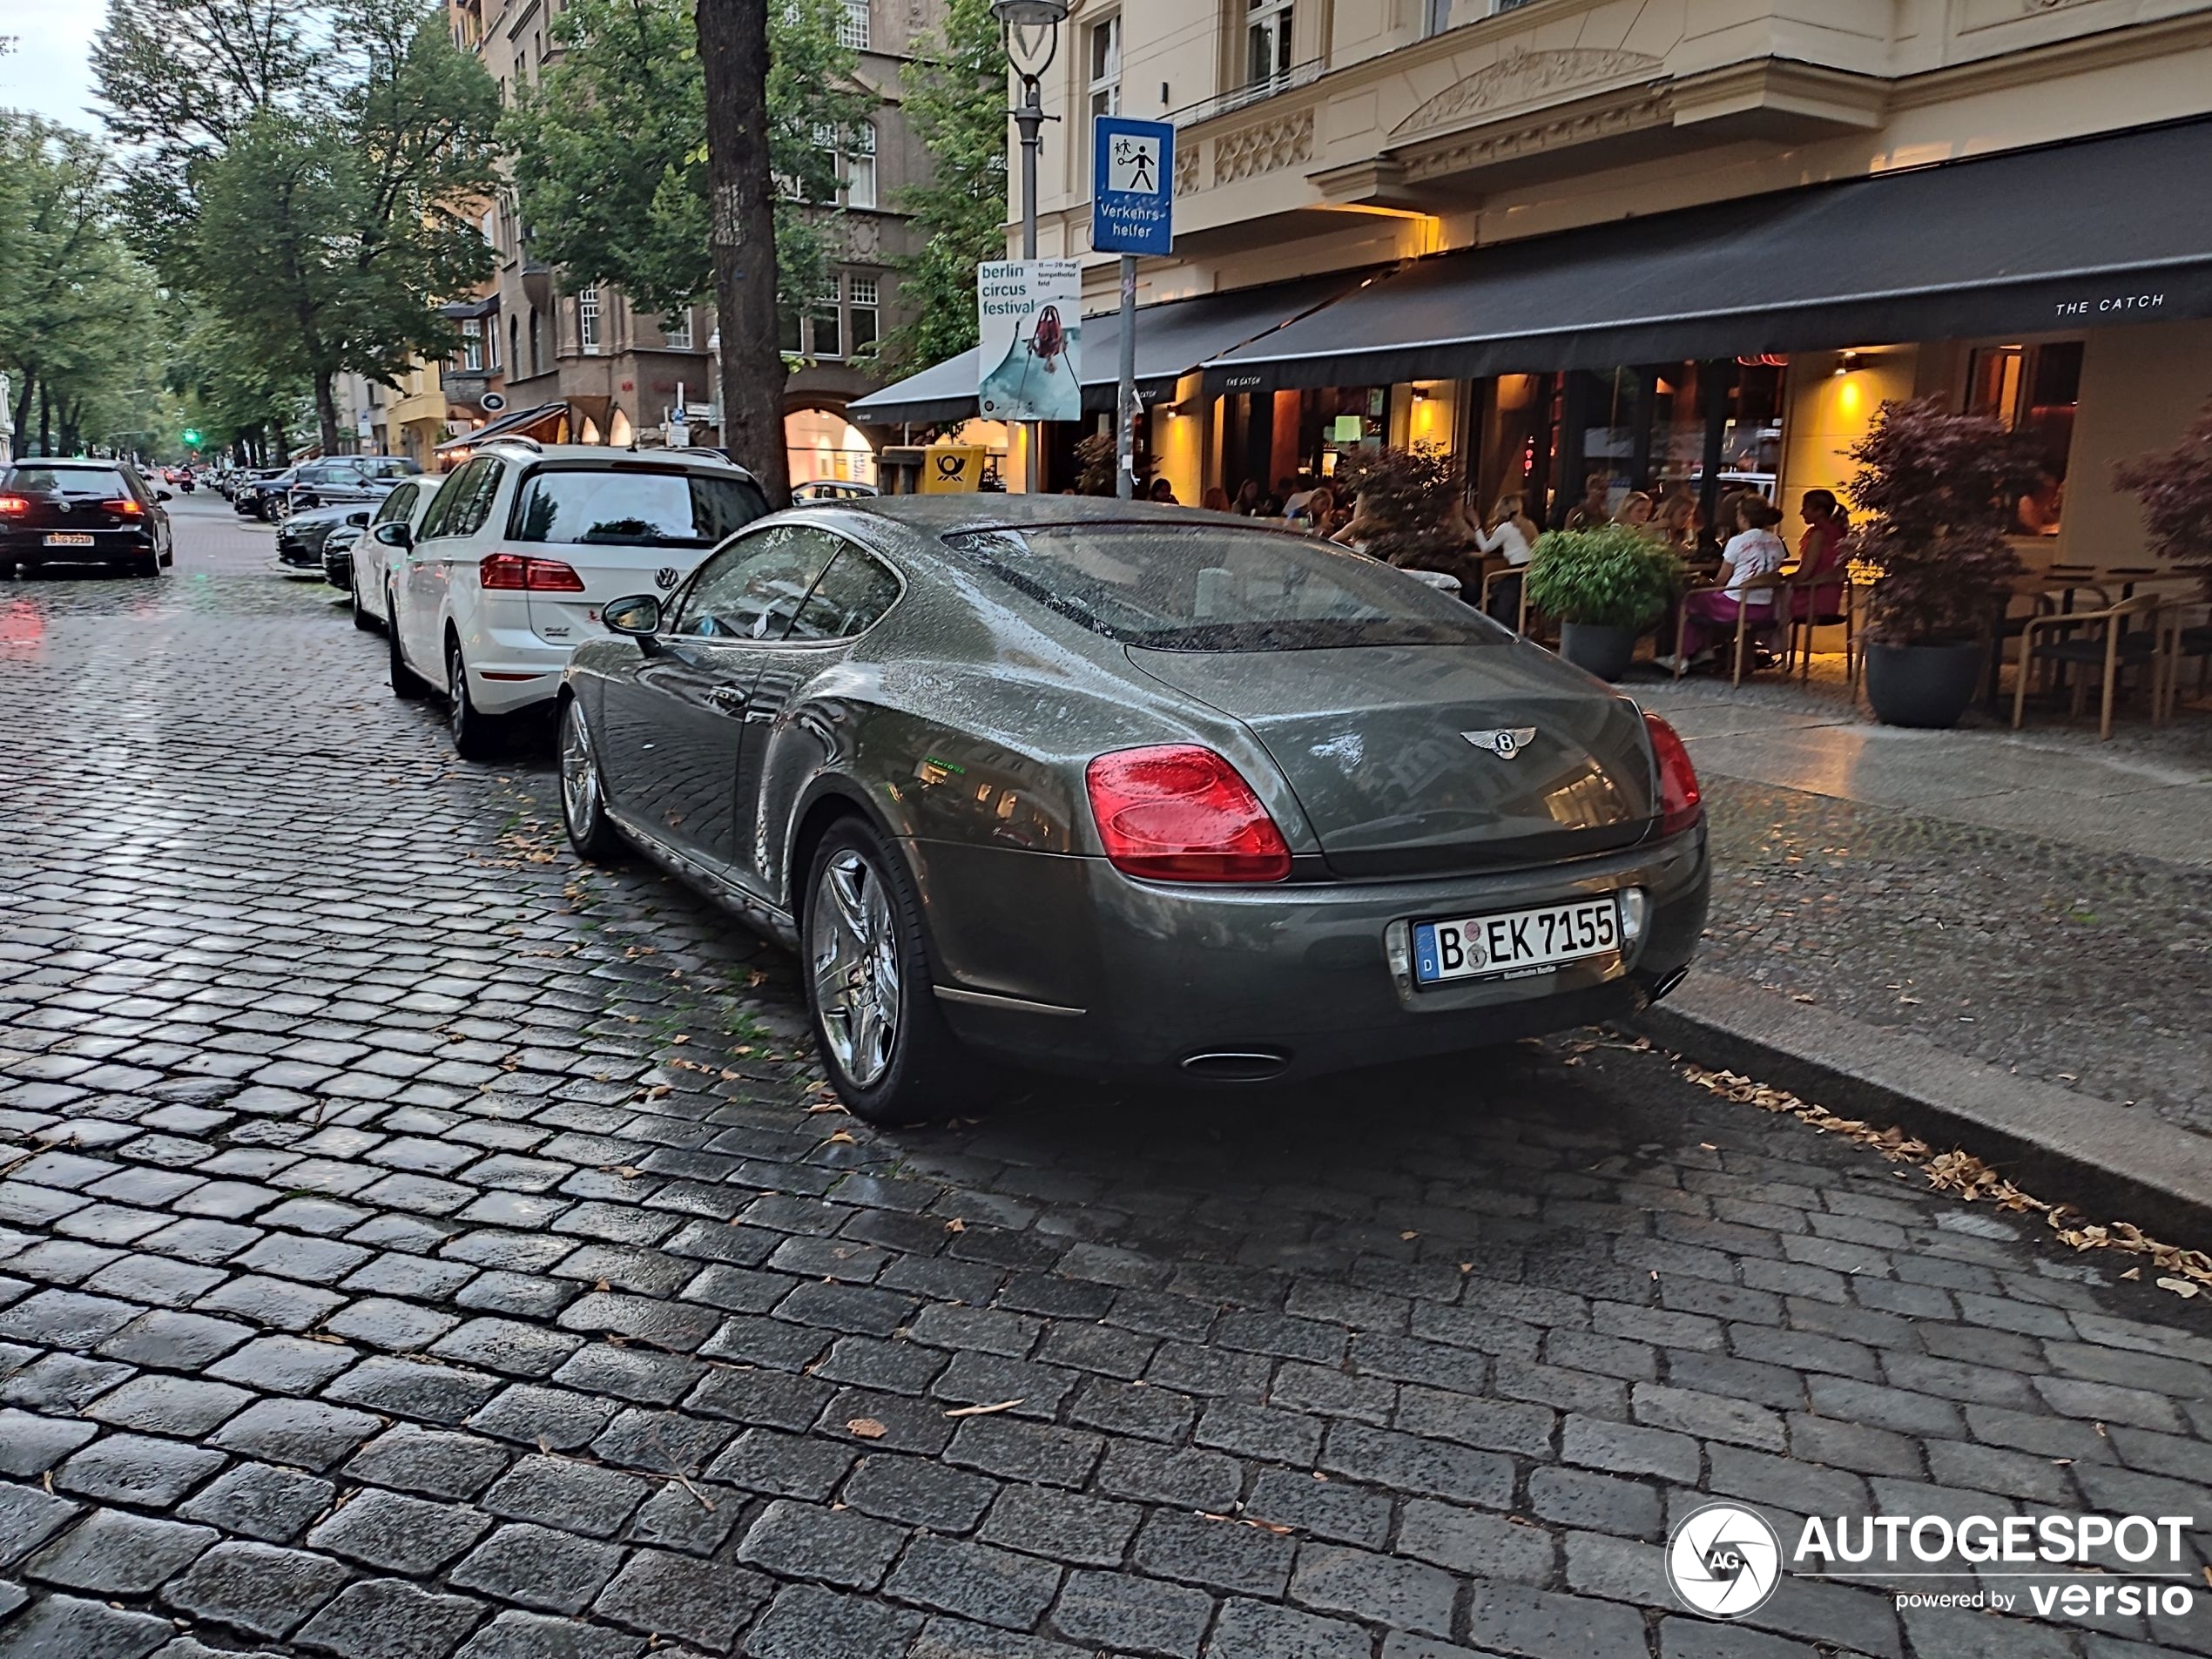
1032, 32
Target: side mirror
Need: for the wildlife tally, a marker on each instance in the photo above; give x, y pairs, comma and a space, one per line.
394, 534
162, 495
636, 616
357, 518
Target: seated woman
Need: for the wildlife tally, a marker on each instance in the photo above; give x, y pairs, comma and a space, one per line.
1711, 613
1818, 585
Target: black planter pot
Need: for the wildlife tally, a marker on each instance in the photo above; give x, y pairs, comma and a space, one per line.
1596, 648
1922, 686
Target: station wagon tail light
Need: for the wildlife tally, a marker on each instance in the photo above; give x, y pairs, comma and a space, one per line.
1180, 813
1680, 803
513, 573
14, 506
125, 506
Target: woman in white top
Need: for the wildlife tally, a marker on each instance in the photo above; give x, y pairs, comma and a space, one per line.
1754, 550
1511, 532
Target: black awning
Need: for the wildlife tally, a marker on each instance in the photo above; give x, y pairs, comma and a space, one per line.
2099, 231
461, 310
1173, 338
520, 421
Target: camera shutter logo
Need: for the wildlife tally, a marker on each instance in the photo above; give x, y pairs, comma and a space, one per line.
1723, 1560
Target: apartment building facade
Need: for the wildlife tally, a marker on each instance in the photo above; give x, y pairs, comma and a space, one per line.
582, 364
1687, 244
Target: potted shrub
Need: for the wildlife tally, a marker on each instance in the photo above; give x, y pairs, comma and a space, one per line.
1605, 585
2176, 488
1941, 490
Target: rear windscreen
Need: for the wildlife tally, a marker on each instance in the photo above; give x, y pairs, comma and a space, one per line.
634, 509
67, 481
1207, 587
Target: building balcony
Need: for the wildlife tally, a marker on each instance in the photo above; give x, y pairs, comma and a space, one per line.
469, 385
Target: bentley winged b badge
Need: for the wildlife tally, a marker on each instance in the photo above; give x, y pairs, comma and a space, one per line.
1506, 742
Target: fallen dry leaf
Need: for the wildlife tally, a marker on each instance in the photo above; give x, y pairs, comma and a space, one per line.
2180, 1287
982, 1410
868, 1428
955, 1225
843, 1137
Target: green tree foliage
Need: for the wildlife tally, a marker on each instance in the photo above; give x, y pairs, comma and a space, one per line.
76, 307
609, 148
317, 199
955, 98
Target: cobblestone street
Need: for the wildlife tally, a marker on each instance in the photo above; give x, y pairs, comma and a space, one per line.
413, 1244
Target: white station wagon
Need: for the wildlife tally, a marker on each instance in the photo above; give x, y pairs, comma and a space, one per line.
504, 576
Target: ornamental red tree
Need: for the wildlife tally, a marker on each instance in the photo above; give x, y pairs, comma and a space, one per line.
1941, 490
2176, 488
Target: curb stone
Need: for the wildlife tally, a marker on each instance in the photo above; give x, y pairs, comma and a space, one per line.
2114, 1161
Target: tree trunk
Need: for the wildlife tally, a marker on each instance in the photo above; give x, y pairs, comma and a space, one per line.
45, 421
326, 411
23, 410
734, 57
279, 444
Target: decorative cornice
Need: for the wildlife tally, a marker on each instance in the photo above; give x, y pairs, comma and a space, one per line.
1522, 75
1536, 137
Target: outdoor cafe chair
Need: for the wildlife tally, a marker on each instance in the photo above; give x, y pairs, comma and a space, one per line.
1490, 584
2179, 639
2093, 639
1829, 602
1752, 623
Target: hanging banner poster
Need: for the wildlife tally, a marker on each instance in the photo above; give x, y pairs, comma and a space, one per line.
1030, 318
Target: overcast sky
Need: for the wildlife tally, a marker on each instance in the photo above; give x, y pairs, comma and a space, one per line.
47, 71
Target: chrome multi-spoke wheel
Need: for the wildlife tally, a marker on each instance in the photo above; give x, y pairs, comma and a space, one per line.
853, 947
583, 800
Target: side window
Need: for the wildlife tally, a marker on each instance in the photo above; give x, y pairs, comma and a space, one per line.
853, 593
469, 513
752, 588
398, 505
456, 486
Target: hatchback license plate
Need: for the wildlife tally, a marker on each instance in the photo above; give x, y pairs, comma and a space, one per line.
1515, 942
69, 538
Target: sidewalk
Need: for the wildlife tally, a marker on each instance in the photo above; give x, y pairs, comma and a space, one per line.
2035, 901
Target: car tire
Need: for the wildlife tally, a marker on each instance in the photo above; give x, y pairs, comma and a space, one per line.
583, 789
475, 736
150, 565
362, 619
862, 941
404, 683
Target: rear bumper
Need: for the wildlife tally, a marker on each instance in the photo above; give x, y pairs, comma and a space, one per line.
511, 669
1141, 978
107, 547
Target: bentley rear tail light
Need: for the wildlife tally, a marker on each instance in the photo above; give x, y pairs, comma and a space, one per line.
513, 573
1680, 803
1180, 813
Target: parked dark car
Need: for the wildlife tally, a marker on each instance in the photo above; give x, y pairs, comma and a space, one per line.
300, 537
348, 478
82, 512
338, 555
254, 491
1112, 788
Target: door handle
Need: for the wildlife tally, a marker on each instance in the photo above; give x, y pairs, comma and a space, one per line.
725, 697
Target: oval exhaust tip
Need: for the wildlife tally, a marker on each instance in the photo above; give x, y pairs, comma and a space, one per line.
1237, 1066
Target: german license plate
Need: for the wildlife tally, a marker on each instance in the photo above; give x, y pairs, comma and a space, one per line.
1515, 943
69, 538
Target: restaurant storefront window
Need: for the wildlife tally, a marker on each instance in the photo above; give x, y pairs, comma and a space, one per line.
2036, 390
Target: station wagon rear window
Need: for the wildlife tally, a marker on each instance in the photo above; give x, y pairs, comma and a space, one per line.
632, 507
1210, 589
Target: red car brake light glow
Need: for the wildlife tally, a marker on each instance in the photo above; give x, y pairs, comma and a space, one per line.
14, 506
125, 506
1681, 802
1180, 813
513, 573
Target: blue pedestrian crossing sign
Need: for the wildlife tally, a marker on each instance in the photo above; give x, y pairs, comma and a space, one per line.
1132, 186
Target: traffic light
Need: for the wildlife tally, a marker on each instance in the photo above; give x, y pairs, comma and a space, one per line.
191, 437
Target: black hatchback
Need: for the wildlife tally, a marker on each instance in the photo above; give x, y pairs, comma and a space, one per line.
82, 512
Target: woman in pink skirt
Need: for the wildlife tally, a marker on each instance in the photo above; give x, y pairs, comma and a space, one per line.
1754, 550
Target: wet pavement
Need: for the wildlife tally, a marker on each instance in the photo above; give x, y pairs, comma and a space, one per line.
1972, 889
413, 1244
